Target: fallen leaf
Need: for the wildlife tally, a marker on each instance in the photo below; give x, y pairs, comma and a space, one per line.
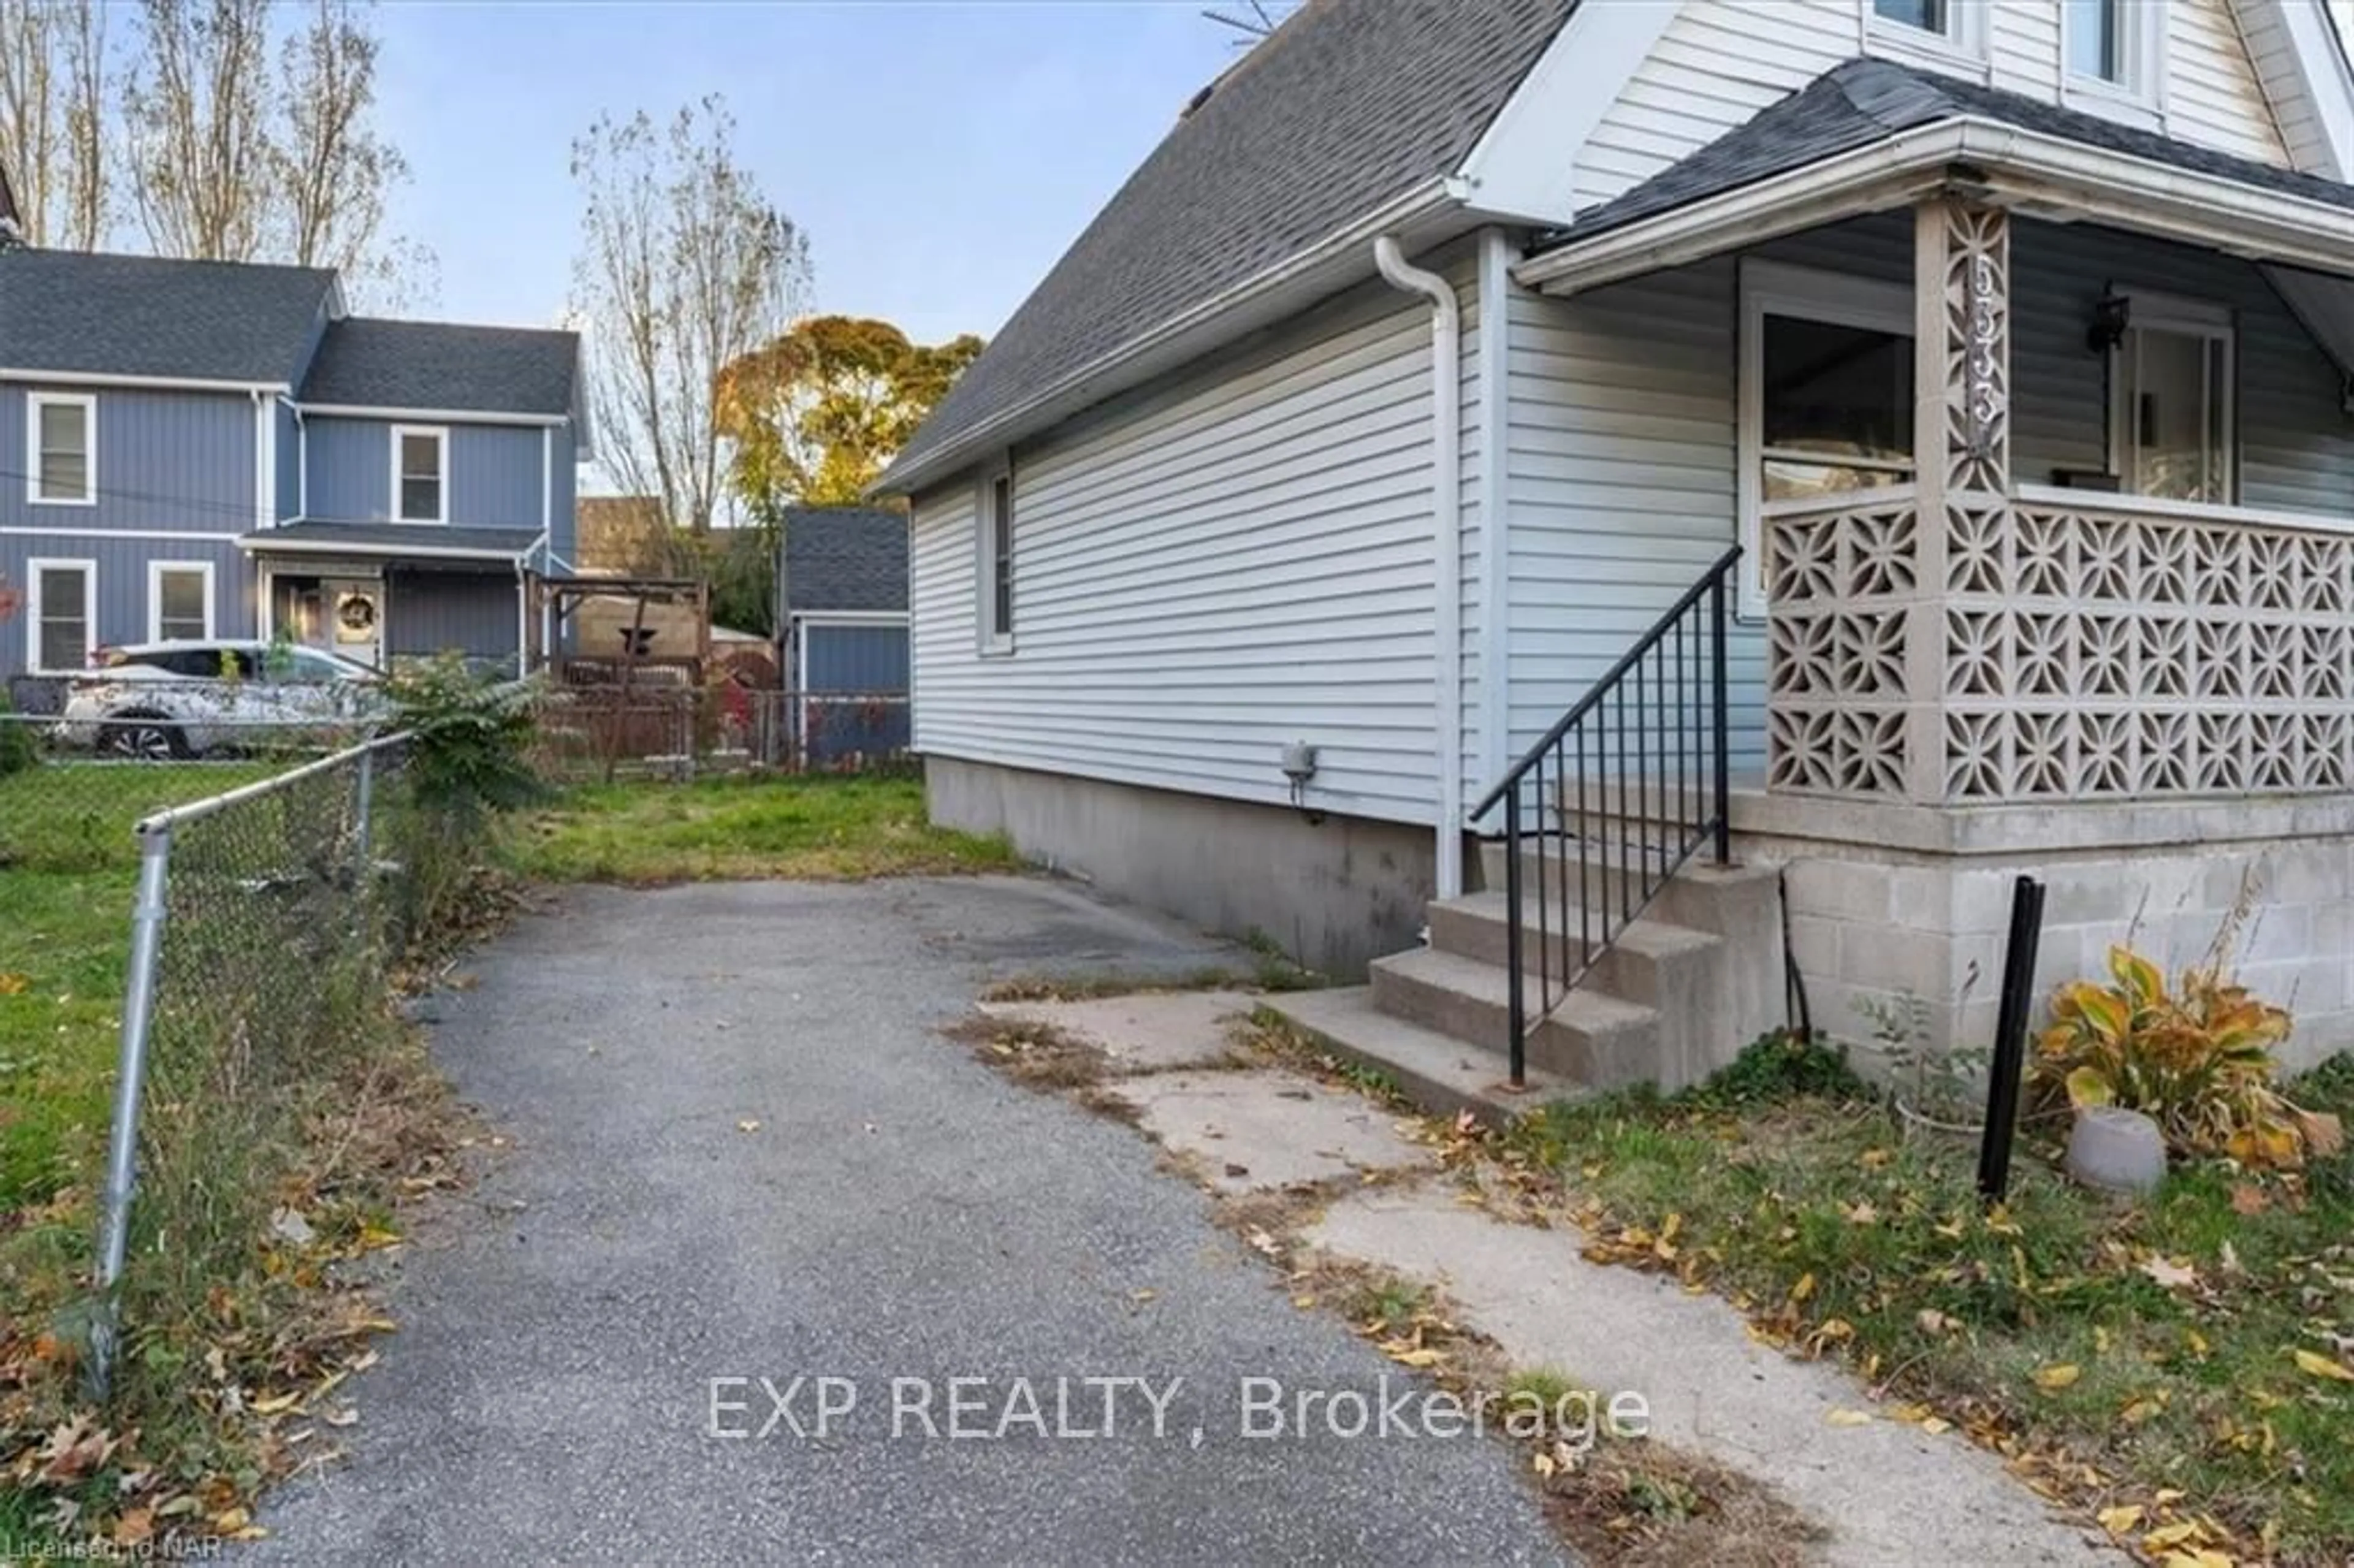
2314, 1364
1847, 1418
342, 1417
749, 1124
14, 985
1861, 1215
1804, 1288
2059, 1375
275, 1402
1303, 1302
1147, 1294
2121, 1519
1543, 1464
1412, 1356
1933, 1321
2248, 1200
2173, 1275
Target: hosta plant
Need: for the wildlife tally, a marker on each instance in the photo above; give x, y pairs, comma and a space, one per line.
2196, 1057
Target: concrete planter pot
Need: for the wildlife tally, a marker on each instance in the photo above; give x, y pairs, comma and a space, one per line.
2116, 1151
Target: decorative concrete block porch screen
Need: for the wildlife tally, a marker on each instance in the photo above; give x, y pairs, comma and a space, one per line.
1944, 643
2036, 652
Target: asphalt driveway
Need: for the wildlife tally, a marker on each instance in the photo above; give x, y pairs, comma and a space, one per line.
740, 1149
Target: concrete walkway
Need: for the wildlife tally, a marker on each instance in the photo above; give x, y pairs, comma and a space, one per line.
739, 1149
1883, 1491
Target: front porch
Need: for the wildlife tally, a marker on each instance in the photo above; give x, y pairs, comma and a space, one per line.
2046, 491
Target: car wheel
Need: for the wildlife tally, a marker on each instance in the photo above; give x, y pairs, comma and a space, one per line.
145, 736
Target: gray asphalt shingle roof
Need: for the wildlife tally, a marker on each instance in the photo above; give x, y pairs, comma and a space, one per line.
1351, 105
365, 362
845, 557
77, 312
1868, 100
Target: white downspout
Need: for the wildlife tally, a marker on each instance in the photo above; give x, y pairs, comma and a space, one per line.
1446, 543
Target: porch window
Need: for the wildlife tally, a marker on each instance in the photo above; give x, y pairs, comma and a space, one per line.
61, 473
1825, 395
2171, 413
419, 462
180, 601
63, 613
996, 608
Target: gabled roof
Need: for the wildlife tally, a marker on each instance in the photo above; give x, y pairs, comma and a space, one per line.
1868, 100
79, 313
365, 362
1352, 106
845, 557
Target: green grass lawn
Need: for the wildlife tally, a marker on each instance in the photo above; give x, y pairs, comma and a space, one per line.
820, 826
68, 865
2186, 1363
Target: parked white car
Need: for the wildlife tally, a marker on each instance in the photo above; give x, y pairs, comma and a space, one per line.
189, 699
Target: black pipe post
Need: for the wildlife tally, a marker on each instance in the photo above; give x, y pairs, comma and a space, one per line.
2011, 1038
1516, 1005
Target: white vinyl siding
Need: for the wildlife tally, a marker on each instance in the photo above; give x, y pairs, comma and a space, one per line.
1620, 483
1236, 560
1718, 64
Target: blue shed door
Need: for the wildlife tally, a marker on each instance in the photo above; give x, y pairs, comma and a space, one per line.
857, 678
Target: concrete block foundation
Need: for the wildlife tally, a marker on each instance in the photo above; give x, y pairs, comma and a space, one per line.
1334, 895
1884, 902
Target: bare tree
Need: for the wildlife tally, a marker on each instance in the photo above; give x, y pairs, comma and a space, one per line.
196, 107
53, 81
230, 162
683, 267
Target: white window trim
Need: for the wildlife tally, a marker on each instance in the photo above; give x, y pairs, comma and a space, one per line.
2191, 318
34, 403
2140, 99
440, 434
1808, 293
34, 567
1962, 45
156, 572
991, 637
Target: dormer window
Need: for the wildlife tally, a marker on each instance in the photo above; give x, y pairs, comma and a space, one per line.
2112, 53
420, 473
1948, 35
1929, 16
2096, 40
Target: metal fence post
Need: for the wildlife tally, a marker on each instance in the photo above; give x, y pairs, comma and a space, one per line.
365, 803
123, 1148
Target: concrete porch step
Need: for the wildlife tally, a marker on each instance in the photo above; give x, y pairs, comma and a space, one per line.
1477, 926
1590, 1038
1703, 896
1439, 1072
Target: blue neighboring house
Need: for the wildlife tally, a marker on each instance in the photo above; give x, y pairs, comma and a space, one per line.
215, 449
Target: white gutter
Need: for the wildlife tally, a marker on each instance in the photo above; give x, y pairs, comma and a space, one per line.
2094, 184
159, 383
1018, 420
432, 416
1446, 544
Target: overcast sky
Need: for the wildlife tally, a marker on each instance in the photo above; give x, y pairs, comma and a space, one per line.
939, 155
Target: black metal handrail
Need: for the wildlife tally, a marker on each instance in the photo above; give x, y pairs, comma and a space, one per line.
1642, 799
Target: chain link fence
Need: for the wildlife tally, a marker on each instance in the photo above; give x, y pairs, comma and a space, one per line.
276, 892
